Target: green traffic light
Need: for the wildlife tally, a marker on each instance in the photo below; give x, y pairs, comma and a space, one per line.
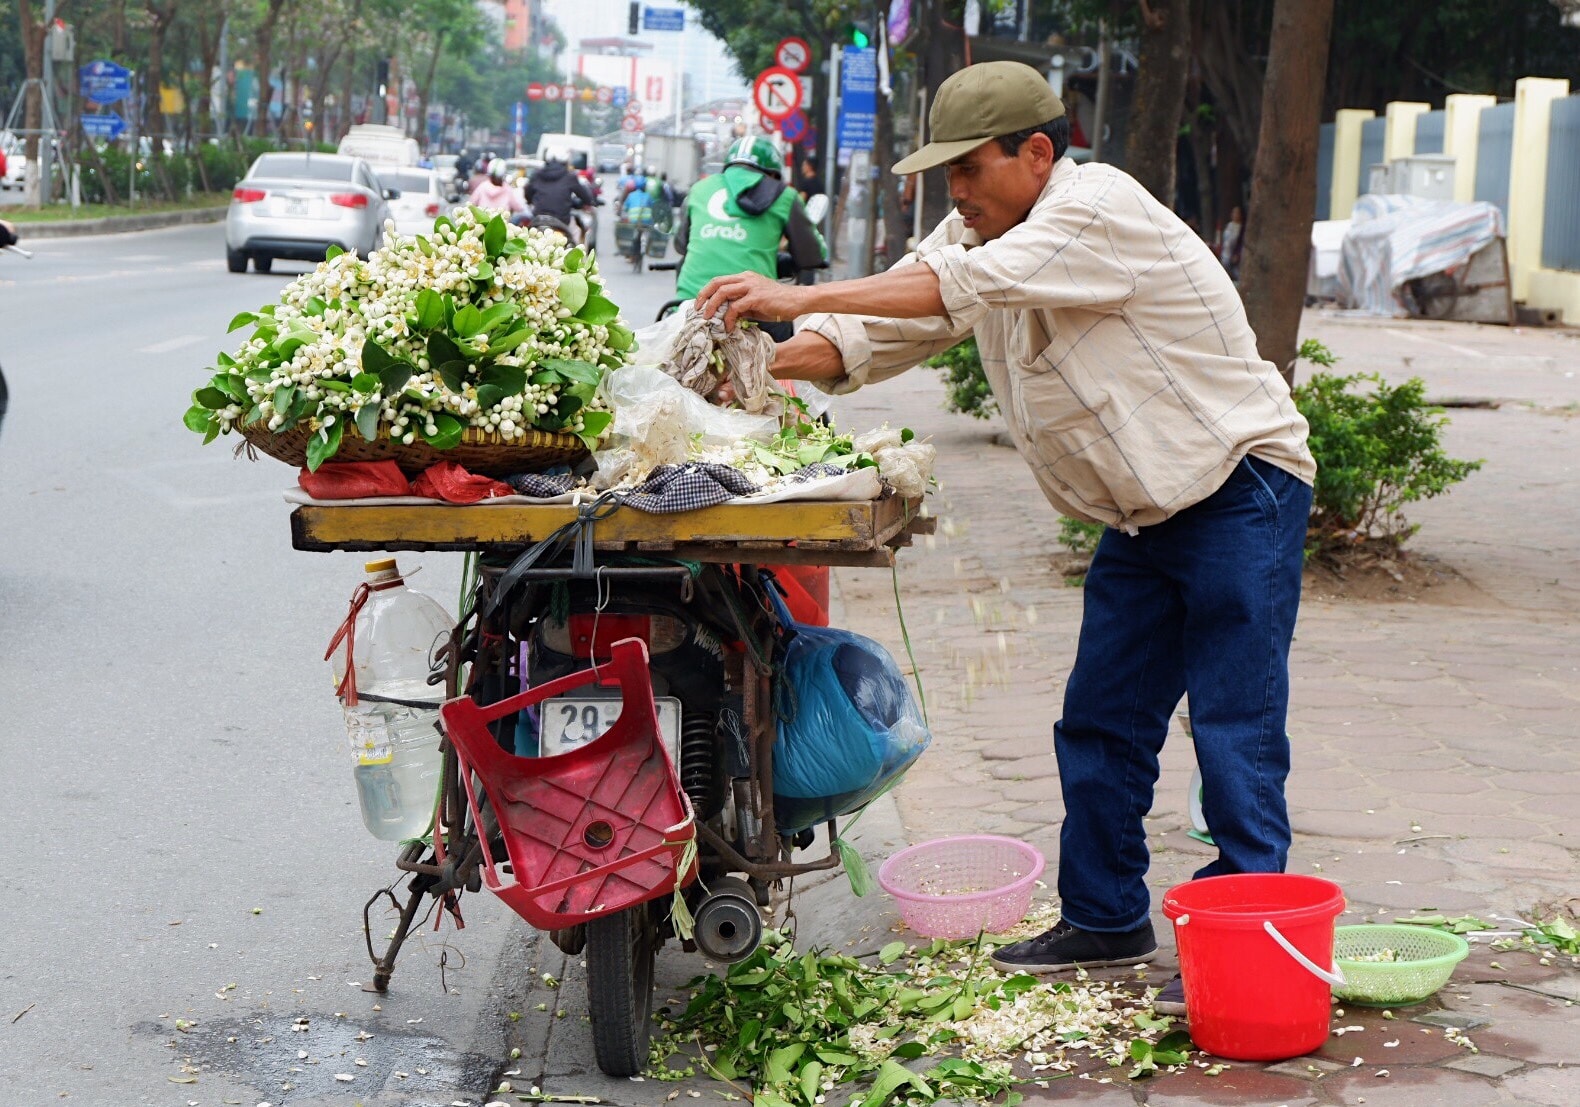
859, 37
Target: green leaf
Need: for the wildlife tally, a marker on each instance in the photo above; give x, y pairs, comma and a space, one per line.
594, 426
374, 357
855, 867
232, 384
315, 307
333, 252
198, 418
254, 413
500, 314
468, 321
890, 953
892, 1076
909, 1051
598, 310
325, 444
425, 246
833, 1057
211, 398
453, 374
573, 260
620, 338
368, 421
580, 372
212, 432
510, 341
494, 235
777, 1070
283, 397
442, 349
241, 320
366, 383
430, 309
448, 434
485, 272
907, 434
573, 291
333, 385
489, 395
394, 375
511, 378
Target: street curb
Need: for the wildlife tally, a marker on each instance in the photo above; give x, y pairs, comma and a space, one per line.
119, 224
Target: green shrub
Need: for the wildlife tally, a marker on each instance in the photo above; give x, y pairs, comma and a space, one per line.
1079, 537
1376, 451
969, 393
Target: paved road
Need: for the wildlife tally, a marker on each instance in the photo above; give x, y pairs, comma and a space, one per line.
178, 802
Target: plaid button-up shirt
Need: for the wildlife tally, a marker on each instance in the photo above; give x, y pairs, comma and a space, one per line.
1115, 343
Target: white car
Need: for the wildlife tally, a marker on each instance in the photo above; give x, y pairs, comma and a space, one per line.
15, 162
421, 198
297, 205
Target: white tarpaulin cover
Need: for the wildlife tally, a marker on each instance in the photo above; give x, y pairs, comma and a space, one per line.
1394, 239
1327, 242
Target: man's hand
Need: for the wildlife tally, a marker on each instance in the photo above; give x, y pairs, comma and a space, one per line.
750, 296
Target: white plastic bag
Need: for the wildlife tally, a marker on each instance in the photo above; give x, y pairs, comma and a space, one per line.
656, 419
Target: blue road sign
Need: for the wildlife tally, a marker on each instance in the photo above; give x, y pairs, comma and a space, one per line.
794, 126
858, 98
521, 118
108, 125
663, 19
104, 82
621, 96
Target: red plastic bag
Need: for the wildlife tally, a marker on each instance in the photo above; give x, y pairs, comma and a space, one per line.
351, 480
447, 481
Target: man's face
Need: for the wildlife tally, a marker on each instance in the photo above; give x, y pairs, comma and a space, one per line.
993, 191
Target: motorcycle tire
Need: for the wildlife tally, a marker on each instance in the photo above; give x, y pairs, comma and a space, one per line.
621, 949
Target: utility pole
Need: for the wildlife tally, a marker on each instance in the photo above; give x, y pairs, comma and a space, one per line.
46, 148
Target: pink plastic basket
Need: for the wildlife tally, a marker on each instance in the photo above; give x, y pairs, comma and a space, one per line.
959, 887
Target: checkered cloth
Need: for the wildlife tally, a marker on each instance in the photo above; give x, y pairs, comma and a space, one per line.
670, 489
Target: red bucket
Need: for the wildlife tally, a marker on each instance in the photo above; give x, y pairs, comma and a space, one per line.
1252, 951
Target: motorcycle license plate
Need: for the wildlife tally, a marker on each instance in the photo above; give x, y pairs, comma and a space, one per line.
565, 723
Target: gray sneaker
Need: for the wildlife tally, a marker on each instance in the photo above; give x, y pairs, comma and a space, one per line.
1068, 947
1170, 999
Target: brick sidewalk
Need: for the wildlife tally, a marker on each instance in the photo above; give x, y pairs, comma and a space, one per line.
1433, 740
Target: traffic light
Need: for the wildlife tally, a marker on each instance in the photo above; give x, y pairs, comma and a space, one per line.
858, 35
634, 22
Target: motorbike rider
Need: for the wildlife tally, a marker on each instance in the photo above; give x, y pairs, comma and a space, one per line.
733, 222
554, 189
7, 238
494, 194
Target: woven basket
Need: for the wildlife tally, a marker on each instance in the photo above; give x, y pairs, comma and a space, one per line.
478, 451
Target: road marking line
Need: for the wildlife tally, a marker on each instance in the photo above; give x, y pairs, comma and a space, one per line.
1465, 350
170, 344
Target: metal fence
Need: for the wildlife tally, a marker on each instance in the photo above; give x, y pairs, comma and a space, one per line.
1372, 133
1325, 171
1561, 220
1429, 132
1494, 150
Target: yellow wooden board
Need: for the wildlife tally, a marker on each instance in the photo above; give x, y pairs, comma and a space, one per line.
727, 531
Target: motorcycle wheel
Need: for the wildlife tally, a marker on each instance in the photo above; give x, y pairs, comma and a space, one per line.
620, 952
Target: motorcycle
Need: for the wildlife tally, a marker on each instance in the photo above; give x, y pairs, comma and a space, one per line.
8, 240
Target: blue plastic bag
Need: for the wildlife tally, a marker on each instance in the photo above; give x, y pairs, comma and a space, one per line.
848, 725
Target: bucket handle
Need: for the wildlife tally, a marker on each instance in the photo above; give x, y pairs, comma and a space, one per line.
1335, 977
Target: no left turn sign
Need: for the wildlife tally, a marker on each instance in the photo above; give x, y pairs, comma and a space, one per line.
777, 92
793, 54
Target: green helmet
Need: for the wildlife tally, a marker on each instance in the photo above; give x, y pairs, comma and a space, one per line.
758, 153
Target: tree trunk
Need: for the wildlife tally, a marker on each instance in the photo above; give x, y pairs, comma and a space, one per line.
33, 55
1161, 70
425, 90
160, 19
1284, 182
264, 39
942, 50
208, 52
1227, 52
348, 77
892, 232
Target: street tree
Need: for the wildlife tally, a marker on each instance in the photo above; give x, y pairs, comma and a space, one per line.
1284, 183
1161, 71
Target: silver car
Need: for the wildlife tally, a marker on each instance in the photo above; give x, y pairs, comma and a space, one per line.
421, 198
297, 205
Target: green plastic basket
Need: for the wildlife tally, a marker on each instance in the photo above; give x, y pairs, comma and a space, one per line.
1426, 959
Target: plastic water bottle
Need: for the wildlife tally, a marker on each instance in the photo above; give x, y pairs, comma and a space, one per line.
394, 746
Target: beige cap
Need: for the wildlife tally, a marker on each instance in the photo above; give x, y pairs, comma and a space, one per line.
979, 103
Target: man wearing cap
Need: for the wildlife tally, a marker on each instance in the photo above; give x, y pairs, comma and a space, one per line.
1120, 355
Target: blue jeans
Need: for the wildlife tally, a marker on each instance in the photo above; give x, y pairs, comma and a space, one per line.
1201, 604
